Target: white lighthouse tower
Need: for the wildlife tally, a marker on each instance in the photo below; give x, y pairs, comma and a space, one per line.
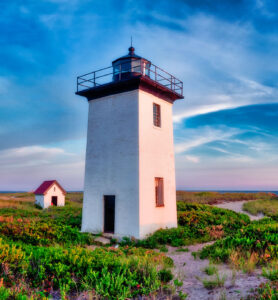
130, 185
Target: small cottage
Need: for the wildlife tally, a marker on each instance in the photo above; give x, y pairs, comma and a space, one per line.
50, 193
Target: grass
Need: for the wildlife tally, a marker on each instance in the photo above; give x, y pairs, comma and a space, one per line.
271, 271
210, 270
217, 282
215, 197
268, 207
182, 250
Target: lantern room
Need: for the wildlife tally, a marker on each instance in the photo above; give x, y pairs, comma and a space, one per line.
130, 65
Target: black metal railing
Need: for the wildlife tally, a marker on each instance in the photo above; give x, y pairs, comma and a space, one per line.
127, 70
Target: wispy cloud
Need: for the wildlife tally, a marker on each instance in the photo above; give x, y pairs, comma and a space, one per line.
32, 155
192, 158
205, 135
224, 51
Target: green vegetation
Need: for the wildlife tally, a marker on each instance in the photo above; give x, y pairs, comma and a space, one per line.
271, 271
43, 252
182, 250
214, 283
215, 197
197, 223
256, 244
210, 270
268, 207
118, 274
266, 291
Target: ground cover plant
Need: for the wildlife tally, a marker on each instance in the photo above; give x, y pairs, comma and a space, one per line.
216, 197
266, 291
256, 244
268, 207
43, 252
35, 226
197, 223
114, 273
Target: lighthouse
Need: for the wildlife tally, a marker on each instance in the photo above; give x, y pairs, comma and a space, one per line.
129, 187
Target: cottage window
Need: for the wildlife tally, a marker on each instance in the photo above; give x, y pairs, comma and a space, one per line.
156, 115
159, 197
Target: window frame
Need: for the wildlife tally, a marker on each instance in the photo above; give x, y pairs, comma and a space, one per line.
159, 198
156, 115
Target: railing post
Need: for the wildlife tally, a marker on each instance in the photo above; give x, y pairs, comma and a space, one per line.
120, 72
182, 88
94, 79
171, 82
155, 73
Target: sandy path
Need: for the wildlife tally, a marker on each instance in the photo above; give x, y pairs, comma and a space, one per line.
237, 207
190, 271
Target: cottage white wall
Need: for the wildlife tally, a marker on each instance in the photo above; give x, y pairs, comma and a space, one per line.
54, 191
45, 200
112, 163
39, 200
156, 159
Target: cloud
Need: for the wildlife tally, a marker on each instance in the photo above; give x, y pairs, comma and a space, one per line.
200, 110
204, 135
29, 156
192, 158
224, 51
26, 167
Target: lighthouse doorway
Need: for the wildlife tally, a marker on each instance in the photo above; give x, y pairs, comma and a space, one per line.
109, 214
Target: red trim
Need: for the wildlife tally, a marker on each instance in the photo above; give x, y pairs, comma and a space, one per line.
136, 82
46, 185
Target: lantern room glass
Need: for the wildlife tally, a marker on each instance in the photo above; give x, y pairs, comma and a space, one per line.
126, 68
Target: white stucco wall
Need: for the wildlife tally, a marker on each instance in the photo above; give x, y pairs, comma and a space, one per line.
45, 200
112, 163
39, 200
125, 152
156, 159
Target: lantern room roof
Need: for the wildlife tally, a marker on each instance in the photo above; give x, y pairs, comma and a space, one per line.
127, 73
131, 55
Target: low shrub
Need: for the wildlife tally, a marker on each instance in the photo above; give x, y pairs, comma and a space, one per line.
197, 223
113, 273
266, 291
271, 271
258, 242
41, 232
165, 275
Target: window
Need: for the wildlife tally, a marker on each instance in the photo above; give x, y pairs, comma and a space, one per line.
156, 115
159, 198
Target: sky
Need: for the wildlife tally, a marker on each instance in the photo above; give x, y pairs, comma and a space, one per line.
225, 52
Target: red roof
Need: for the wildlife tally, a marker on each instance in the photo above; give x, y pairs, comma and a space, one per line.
45, 186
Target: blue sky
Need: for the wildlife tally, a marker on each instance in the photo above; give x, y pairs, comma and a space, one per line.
226, 53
